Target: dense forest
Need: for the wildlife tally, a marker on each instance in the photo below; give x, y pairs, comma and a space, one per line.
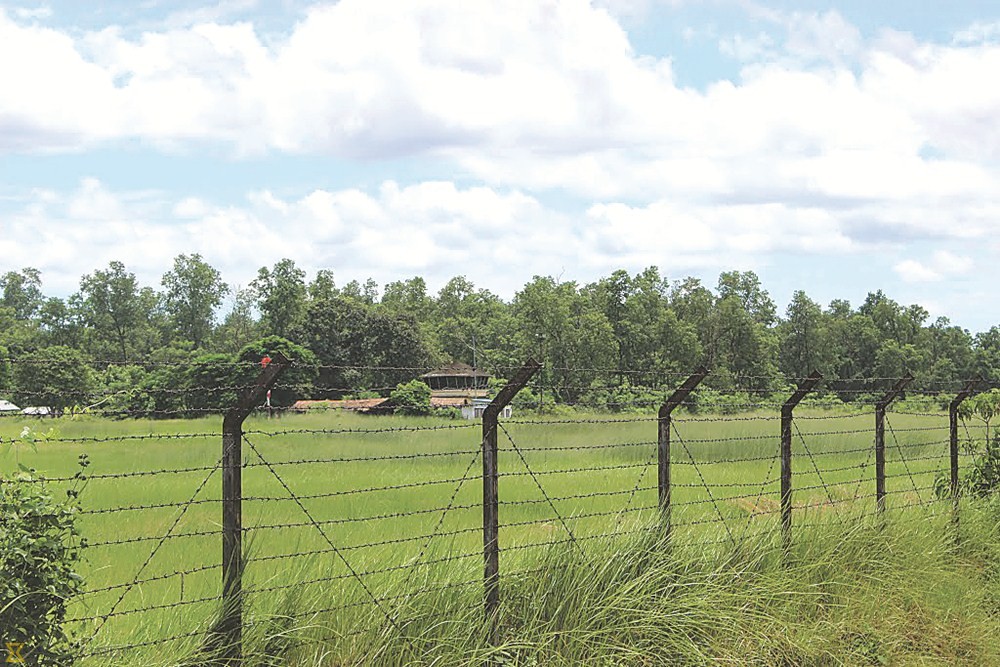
623, 330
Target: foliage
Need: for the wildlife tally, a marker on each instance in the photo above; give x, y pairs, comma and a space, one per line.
983, 407
57, 377
296, 383
111, 307
39, 549
705, 400
20, 291
214, 383
982, 475
622, 398
412, 398
193, 290
613, 336
281, 296
5, 370
360, 347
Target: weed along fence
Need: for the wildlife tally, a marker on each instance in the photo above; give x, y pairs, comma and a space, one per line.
223, 543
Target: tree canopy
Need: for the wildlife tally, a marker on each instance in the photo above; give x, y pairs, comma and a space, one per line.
641, 329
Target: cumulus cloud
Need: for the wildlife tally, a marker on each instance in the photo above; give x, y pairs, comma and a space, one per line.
827, 142
433, 228
980, 32
940, 266
549, 80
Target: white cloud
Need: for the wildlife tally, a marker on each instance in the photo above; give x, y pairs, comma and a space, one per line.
980, 32
941, 265
32, 13
432, 228
826, 143
552, 80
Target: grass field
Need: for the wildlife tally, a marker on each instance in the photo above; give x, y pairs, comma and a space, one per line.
377, 487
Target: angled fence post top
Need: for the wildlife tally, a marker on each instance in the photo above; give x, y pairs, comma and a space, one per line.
509, 390
970, 387
682, 392
804, 388
254, 395
894, 393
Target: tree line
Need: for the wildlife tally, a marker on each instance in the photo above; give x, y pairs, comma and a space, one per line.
622, 332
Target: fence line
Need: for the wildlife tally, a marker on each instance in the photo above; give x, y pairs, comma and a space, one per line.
388, 520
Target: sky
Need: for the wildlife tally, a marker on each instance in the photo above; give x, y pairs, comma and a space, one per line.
833, 147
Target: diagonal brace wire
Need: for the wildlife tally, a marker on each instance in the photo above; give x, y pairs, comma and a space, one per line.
704, 483
326, 537
540, 487
152, 554
822, 481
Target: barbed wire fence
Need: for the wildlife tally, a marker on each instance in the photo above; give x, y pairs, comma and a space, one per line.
396, 526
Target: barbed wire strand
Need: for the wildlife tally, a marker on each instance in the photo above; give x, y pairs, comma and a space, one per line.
322, 532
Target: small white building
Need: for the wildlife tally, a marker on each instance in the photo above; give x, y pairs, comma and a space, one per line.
475, 408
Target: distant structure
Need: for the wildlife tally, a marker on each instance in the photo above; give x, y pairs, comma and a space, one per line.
461, 386
456, 385
457, 379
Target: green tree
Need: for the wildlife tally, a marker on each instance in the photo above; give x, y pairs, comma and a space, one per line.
805, 344
213, 382
651, 340
360, 346
111, 307
366, 294
60, 323
982, 407
745, 286
57, 377
6, 377
473, 325
323, 286
565, 330
743, 349
193, 291
296, 383
281, 297
986, 354
22, 292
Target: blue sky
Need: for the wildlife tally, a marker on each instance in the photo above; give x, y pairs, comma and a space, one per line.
834, 147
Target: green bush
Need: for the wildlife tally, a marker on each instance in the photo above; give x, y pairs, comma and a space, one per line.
39, 549
412, 398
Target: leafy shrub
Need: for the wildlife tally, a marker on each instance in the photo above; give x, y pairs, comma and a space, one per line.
980, 478
412, 398
711, 401
447, 413
39, 548
623, 398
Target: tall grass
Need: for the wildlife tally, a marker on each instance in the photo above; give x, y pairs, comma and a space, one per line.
851, 591
864, 593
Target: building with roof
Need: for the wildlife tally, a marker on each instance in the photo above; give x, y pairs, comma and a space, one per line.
457, 380
456, 385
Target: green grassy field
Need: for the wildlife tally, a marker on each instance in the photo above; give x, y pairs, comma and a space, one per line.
377, 488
